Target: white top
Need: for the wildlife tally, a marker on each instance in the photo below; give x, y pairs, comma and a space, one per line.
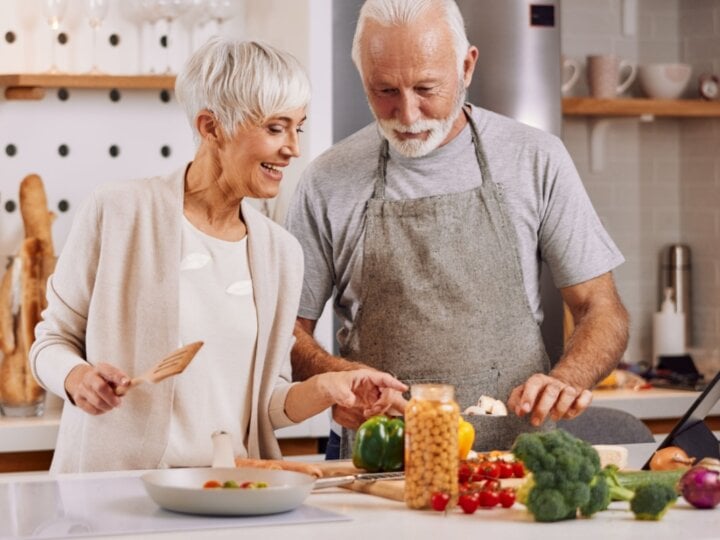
217, 307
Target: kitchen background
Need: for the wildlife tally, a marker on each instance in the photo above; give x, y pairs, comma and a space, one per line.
657, 182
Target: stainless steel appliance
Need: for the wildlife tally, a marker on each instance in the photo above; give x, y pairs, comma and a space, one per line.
518, 75
675, 270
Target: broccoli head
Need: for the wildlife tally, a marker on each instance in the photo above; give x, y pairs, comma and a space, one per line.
566, 476
651, 501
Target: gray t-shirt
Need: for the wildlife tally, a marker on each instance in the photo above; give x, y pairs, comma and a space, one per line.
553, 218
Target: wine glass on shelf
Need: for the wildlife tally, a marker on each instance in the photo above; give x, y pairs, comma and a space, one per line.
54, 11
171, 10
200, 16
96, 11
149, 14
220, 11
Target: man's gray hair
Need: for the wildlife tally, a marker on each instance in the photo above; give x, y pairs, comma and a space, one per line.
239, 81
403, 12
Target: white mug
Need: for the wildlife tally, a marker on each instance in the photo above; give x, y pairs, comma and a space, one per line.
604, 70
571, 67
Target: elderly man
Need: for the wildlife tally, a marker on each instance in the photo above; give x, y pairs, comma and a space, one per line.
429, 227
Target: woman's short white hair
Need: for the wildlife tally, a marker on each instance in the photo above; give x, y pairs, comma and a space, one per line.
403, 12
239, 81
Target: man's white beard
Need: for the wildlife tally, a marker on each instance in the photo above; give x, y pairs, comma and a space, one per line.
437, 130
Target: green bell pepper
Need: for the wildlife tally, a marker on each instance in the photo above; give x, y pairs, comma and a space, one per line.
380, 444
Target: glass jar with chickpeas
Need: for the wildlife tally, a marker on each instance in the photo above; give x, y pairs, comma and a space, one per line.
431, 444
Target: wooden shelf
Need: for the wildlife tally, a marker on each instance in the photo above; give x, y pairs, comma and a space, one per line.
33, 85
679, 108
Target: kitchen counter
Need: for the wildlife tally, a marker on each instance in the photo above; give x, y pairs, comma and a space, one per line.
650, 404
377, 518
30, 434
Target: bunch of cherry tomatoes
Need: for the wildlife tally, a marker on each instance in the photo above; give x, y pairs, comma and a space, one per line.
480, 485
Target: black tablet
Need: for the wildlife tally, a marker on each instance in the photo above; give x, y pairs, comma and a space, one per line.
691, 433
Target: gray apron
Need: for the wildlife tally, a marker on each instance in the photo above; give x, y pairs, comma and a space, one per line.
442, 299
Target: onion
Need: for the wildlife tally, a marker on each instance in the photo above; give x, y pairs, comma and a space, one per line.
670, 458
701, 485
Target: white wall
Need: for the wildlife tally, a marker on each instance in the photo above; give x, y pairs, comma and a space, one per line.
661, 182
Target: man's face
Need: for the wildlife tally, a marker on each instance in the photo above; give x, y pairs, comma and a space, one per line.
412, 83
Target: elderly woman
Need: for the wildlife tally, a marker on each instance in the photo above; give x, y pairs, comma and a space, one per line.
156, 263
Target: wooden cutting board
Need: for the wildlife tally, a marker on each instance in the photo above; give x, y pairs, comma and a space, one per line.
388, 489
395, 489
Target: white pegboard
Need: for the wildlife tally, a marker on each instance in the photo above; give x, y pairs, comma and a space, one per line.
139, 124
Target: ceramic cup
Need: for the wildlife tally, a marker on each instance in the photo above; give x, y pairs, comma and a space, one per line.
570, 74
664, 81
604, 75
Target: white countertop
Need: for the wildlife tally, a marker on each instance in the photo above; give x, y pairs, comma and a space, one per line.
649, 404
377, 518
40, 433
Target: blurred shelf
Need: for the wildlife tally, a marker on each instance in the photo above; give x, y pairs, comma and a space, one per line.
679, 108
33, 85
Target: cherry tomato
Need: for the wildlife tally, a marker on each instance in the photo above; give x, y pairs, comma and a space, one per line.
246, 485
507, 497
465, 472
210, 484
506, 470
476, 472
469, 502
491, 484
490, 469
518, 469
488, 499
439, 501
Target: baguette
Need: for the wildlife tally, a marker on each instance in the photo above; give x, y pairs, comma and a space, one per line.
31, 297
12, 378
37, 220
7, 330
279, 464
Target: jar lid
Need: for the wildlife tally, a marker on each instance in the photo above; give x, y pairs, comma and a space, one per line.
433, 391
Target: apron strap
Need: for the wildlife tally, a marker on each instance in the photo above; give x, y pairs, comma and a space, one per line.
379, 192
479, 154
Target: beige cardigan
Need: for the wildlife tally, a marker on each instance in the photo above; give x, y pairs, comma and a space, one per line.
114, 298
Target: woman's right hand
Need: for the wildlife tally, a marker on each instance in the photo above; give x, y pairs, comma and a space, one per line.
92, 388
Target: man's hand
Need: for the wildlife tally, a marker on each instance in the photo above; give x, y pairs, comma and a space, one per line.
542, 395
390, 402
92, 389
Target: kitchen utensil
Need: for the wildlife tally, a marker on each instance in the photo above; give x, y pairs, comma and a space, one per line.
172, 364
181, 490
664, 81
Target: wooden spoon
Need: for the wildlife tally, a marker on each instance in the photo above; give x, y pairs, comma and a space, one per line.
172, 364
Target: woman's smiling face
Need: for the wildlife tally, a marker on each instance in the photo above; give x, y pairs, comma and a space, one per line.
253, 159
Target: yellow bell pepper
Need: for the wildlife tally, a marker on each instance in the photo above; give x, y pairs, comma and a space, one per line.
466, 438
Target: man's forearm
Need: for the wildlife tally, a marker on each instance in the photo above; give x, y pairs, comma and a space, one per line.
309, 358
596, 346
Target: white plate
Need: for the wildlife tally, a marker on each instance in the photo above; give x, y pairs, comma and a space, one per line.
181, 490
